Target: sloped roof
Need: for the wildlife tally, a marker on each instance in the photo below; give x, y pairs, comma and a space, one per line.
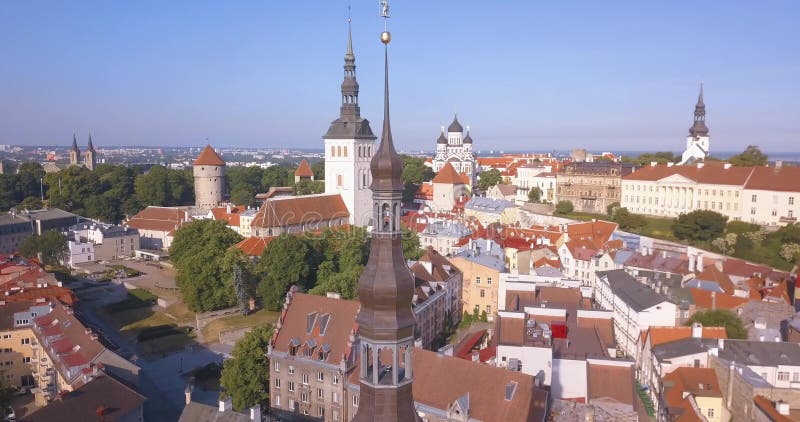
633, 293
699, 382
232, 218
449, 175
202, 412
615, 382
703, 300
304, 169
292, 210
784, 178
209, 157
117, 400
711, 273
661, 335
598, 230
158, 218
506, 190
712, 173
254, 246
324, 320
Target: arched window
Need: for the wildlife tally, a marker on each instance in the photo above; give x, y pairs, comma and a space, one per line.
338, 151
345, 151
333, 151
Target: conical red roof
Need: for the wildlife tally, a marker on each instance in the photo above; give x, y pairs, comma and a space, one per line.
209, 157
449, 175
304, 170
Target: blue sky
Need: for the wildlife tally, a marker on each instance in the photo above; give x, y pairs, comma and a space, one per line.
524, 75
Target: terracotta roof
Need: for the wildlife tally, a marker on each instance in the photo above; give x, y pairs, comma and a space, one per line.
163, 219
254, 246
699, 382
702, 300
62, 294
785, 178
597, 230
316, 321
209, 157
511, 331
661, 335
117, 400
425, 192
441, 268
768, 407
615, 382
604, 327
507, 190
293, 210
441, 380
711, 273
449, 175
711, 173
232, 218
304, 169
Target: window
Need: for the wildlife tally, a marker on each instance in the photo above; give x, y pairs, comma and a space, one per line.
795, 376
335, 397
7, 350
710, 412
478, 280
752, 211
488, 309
320, 393
277, 366
291, 404
791, 200
277, 383
291, 386
321, 411
754, 198
774, 212
291, 370
783, 376
27, 359
8, 363
489, 281
335, 378
22, 322
483, 293
304, 397
6, 336
355, 401
25, 340
305, 378
277, 401
320, 376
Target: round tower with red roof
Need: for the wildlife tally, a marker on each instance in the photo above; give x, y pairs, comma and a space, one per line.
209, 179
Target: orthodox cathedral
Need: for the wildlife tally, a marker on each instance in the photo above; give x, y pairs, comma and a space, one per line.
455, 147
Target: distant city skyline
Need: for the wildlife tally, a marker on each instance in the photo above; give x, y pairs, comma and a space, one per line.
620, 77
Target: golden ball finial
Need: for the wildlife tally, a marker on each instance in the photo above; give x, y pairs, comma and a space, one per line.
386, 37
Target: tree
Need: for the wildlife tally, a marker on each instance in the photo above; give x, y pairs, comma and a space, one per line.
319, 170
564, 207
51, 246
244, 376
6, 395
662, 157
611, 208
199, 253
535, 195
721, 318
628, 221
282, 264
489, 178
30, 203
346, 254
415, 171
790, 252
244, 183
751, 156
164, 187
308, 187
276, 176
726, 244
700, 225
411, 246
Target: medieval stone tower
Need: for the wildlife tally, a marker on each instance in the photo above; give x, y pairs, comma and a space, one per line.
209, 179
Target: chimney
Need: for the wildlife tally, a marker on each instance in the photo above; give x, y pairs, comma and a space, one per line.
691, 262
778, 164
255, 413
713, 301
187, 393
697, 330
721, 343
225, 405
726, 166
699, 263
670, 164
782, 407
731, 370
700, 165
653, 163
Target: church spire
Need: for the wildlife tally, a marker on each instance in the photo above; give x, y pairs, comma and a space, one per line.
385, 288
349, 84
75, 142
90, 147
699, 127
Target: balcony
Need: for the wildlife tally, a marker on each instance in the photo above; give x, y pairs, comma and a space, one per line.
788, 219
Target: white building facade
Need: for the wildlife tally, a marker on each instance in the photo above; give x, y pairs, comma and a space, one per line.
455, 147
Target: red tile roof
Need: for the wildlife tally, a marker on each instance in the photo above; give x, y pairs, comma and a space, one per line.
713, 173
449, 175
304, 170
699, 382
158, 219
614, 382
703, 300
209, 157
768, 407
661, 335
711, 273
785, 178
293, 210
254, 246
232, 218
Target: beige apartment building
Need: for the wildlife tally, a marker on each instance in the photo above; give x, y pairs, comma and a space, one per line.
591, 186
481, 264
760, 195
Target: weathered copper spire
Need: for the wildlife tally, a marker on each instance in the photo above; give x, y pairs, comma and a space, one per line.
385, 289
699, 127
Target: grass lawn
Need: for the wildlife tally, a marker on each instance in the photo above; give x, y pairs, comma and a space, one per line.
181, 312
233, 322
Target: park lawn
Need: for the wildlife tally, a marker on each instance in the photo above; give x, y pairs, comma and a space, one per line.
233, 322
180, 312
140, 320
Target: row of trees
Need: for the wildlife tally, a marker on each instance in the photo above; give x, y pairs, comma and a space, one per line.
751, 156
245, 182
206, 264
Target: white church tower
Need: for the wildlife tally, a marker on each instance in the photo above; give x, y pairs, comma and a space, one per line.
349, 145
697, 143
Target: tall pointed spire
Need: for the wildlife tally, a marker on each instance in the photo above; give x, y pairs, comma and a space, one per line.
90, 146
349, 54
385, 288
75, 142
699, 127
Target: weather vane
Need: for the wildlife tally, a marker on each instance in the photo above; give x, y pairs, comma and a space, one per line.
385, 35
